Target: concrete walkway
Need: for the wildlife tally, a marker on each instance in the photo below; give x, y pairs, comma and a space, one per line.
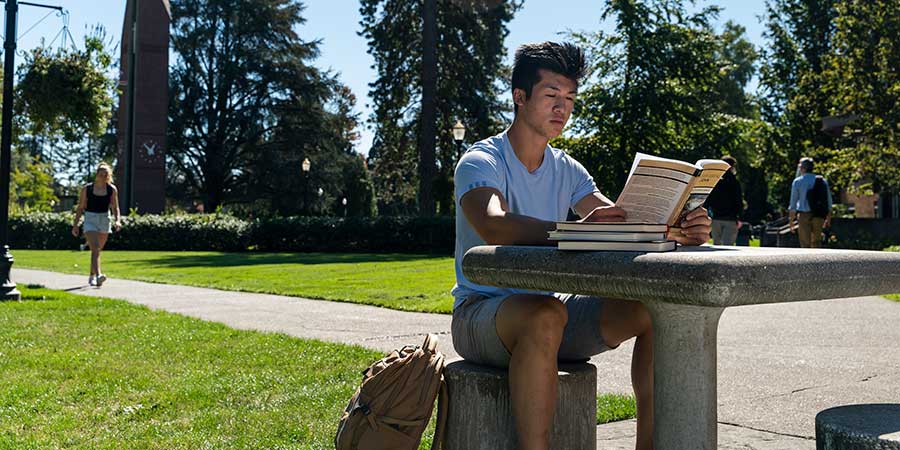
778, 364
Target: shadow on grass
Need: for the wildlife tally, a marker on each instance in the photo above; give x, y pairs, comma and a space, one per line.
254, 259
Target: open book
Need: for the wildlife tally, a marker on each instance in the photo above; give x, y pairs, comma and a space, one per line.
661, 190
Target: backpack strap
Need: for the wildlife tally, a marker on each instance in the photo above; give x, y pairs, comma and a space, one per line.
430, 343
441, 426
400, 422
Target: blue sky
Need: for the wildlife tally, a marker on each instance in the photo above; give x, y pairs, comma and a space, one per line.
336, 23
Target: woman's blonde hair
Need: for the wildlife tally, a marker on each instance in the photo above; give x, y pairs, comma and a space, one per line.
106, 168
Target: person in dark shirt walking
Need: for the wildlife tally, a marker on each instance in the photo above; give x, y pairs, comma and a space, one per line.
95, 202
725, 204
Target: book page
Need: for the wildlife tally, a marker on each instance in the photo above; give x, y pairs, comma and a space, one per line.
710, 173
655, 188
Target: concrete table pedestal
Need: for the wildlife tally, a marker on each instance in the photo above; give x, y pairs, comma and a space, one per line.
686, 292
480, 418
684, 375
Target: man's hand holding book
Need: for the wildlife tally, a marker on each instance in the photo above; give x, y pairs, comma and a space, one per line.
694, 229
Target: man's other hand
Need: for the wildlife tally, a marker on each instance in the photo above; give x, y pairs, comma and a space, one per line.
605, 214
694, 229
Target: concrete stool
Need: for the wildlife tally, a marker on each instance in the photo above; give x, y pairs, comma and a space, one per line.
859, 427
480, 415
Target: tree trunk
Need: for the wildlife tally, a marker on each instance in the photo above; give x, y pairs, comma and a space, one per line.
427, 128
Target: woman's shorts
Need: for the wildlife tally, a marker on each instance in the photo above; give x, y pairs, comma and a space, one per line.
98, 222
474, 330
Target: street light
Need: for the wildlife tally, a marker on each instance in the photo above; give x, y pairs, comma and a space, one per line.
459, 133
304, 167
344, 203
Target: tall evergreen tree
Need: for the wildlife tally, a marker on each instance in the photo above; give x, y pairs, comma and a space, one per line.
241, 81
469, 54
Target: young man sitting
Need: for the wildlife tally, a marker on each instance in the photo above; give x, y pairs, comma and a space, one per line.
511, 188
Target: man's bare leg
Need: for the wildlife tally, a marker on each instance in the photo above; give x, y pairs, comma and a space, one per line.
531, 328
621, 320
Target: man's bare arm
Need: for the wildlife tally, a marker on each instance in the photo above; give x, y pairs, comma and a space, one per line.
595, 207
488, 212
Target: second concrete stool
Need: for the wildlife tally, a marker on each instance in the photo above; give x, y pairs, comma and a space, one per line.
859, 427
480, 415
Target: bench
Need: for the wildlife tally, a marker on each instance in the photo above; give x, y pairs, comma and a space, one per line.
479, 415
859, 427
686, 292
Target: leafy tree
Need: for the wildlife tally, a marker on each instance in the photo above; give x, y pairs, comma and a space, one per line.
860, 78
242, 89
666, 83
32, 186
737, 58
793, 100
656, 89
468, 34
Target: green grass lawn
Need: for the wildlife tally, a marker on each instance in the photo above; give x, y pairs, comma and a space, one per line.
615, 407
403, 282
83, 372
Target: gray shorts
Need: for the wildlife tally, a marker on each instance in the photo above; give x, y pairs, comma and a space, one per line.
474, 330
98, 222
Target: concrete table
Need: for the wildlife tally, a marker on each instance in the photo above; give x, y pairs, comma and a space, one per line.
686, 292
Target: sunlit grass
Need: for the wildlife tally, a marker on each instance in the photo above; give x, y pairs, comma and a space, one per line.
83, 372
396, 281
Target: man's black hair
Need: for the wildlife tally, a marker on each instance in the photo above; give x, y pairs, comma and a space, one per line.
565, 59
807, 163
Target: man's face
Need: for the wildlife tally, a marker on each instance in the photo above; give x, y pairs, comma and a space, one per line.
551, 103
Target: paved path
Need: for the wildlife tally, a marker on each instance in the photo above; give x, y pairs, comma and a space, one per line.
778, 364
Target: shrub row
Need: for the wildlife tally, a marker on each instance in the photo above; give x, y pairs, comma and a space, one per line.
863, 234
219, 232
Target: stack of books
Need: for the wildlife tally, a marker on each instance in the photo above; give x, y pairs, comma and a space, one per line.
622, 236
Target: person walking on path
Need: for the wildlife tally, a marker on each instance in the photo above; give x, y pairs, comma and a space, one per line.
95, 202
725, 204
511, 189
810, 205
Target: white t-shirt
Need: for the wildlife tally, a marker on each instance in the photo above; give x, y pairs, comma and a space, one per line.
547, 194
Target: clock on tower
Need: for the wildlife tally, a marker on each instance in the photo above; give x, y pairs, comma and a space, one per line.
150, 152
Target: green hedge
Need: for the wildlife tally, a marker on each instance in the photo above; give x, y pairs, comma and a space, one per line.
378, 235
226, 233
863, 234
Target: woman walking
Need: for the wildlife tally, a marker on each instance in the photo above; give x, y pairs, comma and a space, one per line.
95, 202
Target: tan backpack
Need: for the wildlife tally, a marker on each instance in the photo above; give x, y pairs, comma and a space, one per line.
392, 407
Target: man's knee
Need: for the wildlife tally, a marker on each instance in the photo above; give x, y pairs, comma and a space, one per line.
538, 319
548, 316
622, 320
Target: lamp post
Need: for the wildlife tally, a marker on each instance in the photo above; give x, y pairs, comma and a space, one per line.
304, 167
8, 290
459, 133
344, 204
